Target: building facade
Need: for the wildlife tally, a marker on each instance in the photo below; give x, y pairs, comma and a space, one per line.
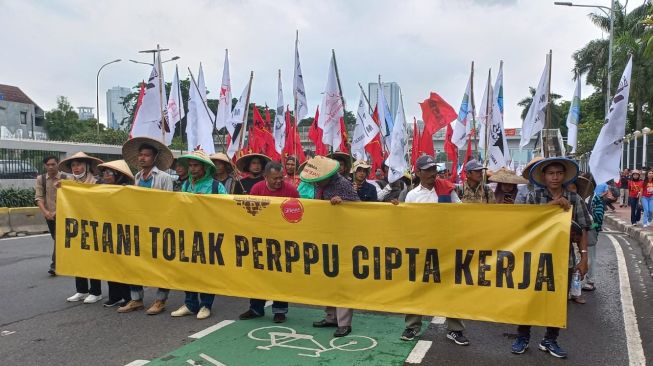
115, 110
85, 113
20, 117
392, 95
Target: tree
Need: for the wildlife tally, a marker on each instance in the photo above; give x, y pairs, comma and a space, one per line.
62, 121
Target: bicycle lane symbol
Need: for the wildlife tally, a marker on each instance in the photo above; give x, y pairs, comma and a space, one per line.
284, 337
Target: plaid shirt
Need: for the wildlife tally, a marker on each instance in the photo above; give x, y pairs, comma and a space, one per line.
579, 213
338, 186
479, 194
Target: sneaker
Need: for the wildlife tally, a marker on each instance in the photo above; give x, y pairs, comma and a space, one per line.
279, 318
204, 313
92, 299
77, 297
342, 331
551, 346
458, 337
52, 272
249, 314
409, 334
182, 311
111, 303
132, 305
520, 345
157, 307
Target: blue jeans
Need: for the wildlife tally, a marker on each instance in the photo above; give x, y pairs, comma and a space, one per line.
635, 212
194, 304
647, 205
137, 293
258, 306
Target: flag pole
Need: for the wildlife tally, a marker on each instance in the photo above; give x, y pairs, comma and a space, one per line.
243, 129
474, 136
294, 94
344, 110
223, 136
488, 116
181, 129
159, 67
548, 108
206, 107
380, 122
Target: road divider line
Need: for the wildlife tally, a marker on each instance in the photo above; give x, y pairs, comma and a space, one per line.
211, 329
138, 363
25, 237
633, 339
418, 352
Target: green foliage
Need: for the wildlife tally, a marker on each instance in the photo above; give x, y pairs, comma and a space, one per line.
17, 197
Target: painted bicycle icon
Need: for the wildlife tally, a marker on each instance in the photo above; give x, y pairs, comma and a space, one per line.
285, 337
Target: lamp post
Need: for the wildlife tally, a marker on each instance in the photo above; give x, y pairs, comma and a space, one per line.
645, 132
628, 152
163, 62
636, 134
610, 13
97, 92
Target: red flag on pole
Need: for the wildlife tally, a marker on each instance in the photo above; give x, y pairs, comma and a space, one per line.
343, 137
293, 143
375, 149
315, 135
452, 152
436, 113
415, 152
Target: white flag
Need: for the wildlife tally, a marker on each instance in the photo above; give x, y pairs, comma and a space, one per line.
385, 117
463, 126
483, 115
299, 92
279, 132
175, 106
396, 161
365, 131
235, 124
224, 100
149, 121
573, 118
534, 121
606, 155
499, 154
199, 124
331, 109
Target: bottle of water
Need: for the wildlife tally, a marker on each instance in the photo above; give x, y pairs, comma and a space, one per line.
575, 284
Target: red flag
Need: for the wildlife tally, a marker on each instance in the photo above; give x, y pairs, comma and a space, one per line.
268, 119
343, 137
436, 113
293, 145
139, 101
375, 149
315, 135
262, 137
414, 154
452, 152
426, 143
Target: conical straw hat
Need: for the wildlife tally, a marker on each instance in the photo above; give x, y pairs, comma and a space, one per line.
64, 165
119, 166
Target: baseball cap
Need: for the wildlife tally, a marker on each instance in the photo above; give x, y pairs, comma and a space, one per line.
425, 162
474, 165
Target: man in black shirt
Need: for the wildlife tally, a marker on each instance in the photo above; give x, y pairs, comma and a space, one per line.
366, 191
253, 165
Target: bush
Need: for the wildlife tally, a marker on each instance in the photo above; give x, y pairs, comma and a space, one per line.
17, 197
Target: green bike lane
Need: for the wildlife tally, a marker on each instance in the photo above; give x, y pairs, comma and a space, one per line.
373, 341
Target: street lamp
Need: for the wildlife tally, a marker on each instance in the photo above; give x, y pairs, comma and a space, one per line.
163, 62
610, 13
97, 92
645, 132
636, 134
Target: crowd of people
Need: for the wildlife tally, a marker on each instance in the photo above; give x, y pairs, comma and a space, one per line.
336, 178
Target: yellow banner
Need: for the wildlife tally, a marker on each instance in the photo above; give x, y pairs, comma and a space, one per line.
500, 263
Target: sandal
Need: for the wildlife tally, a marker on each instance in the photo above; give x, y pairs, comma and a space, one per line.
578, 300
588, 287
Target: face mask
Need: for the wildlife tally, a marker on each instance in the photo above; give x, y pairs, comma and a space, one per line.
79, 176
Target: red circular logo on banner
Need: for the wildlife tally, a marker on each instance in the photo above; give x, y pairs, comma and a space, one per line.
292, 210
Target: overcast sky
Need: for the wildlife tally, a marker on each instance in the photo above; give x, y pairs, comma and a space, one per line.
53, 48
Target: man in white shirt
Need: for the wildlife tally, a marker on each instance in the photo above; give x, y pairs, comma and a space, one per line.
427, 171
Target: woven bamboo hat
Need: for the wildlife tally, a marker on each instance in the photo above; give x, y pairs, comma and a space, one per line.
585, 186
343, 158
163, 159
536, 175
527, 168
243, 162
223, 158
93, 162
318, 169
202, 157
120, 166
507, 176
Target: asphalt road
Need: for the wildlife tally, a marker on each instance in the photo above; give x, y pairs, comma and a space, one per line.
38, 326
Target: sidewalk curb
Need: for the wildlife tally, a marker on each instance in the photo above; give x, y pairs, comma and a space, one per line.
644, 238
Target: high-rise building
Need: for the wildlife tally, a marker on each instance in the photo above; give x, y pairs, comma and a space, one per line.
391, 91
85, 113
116, 112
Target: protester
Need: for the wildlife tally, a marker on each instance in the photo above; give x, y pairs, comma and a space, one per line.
473, 190
116, 172
345, 162
635, 187
647, 199
507, 182
597, 207
524, 190
201, 181
366, 191
291, 176
388, 192
182, 175
46, 199
623, 187
253, 164
427, 170
550, 176
153, 158
82, 167
274, 185
224, 170
615, 195
329, 185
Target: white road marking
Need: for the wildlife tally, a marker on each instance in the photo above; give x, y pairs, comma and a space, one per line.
419, 351
25, 237
633, 338
138, 363
6, 333
438, 320
212, 360
211, 329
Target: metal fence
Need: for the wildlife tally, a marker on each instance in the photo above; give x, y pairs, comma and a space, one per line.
637, 152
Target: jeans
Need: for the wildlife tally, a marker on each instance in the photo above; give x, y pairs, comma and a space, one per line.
647, 205
258, 306
623, 196
137, 293
592, 239
635, 212
52, 227
194, 305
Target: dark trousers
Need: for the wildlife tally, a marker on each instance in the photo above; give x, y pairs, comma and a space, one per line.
119, 291
551, 332
258, 306
81, 284
194, 301
635, 212
52, 227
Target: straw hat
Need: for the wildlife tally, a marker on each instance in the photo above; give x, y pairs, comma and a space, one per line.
342, 157
202, 157
163, 159
223, 158
585, 187
120, 166
64, 165
507, 176
536, 175
527, 168
360, 164
318, 169
243, 162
